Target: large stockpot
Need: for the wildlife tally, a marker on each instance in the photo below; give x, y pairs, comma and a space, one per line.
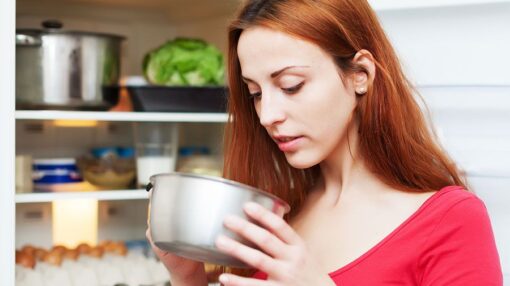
66, 69
187, 212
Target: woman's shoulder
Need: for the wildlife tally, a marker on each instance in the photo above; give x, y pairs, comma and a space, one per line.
448, 209
451, 197
454, 206
460, 245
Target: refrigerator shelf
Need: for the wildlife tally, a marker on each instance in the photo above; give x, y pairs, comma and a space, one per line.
93, 195
120, 116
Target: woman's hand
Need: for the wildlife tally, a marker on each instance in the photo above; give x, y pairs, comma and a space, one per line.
284, 256
182, 271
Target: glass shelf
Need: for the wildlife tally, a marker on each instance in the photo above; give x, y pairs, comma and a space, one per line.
120, 116
96, 195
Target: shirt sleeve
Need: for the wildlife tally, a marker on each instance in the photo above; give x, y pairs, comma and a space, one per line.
461, 249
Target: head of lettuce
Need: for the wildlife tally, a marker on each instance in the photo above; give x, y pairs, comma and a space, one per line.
185, 62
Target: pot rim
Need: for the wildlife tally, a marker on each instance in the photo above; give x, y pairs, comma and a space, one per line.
226, 181
40, 32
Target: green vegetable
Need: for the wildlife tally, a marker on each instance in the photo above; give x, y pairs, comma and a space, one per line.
184, 61
110, 68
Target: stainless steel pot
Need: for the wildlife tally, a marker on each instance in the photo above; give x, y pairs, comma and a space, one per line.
66, 69
187, 212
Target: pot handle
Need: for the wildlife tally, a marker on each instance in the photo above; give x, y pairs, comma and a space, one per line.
149, 186
52, 24
28, 40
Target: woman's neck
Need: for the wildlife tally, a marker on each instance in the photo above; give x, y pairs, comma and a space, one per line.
345, 173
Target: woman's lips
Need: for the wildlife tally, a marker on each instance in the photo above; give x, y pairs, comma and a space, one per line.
289, 145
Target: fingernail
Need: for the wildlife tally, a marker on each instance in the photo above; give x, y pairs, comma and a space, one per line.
231, 220
221, 242
223, 278
251, 207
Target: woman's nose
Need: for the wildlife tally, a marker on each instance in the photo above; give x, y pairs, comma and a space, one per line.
271, 110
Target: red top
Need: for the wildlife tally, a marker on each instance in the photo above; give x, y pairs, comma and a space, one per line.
447, 241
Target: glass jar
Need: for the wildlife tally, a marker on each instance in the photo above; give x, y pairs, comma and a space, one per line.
156, 150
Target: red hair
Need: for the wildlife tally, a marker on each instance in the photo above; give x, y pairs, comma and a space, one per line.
394, 139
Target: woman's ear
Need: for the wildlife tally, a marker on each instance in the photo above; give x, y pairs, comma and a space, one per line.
362, 80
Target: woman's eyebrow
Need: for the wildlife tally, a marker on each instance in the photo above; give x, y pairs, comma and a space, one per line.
277, 73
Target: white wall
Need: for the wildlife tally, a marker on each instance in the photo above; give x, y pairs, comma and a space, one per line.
464, 45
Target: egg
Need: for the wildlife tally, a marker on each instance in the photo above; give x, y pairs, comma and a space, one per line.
40, 253
97, 252
24, 259
71, 254
54, 258
108, 245
83, 248
59, 248
28, 249
120, 249
117, 247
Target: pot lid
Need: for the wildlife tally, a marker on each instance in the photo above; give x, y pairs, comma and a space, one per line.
52, 27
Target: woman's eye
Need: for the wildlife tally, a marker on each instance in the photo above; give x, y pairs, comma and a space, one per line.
294, 89
290, 90
255, 95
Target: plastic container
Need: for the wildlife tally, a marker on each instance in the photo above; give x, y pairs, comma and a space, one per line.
49, 174
55, 171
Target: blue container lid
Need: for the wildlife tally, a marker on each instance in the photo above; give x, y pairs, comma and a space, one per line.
193, 150
102, 152
126, 152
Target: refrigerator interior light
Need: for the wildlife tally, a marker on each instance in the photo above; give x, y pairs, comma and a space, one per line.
75, 123
75, 222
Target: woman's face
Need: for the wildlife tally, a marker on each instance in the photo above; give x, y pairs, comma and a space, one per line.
298, 94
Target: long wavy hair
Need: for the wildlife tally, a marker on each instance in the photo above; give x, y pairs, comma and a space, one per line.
395, 140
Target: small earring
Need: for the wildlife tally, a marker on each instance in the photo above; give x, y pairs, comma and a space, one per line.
361, 90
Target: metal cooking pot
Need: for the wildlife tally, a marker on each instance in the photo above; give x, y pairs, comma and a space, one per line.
187, 212
66, 69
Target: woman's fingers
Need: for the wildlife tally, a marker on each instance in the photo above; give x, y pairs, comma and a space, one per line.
248, 255
267, 241
272, 222
149, 237
234, 280
160, 253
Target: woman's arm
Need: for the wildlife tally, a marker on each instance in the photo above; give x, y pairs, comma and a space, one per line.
197, 278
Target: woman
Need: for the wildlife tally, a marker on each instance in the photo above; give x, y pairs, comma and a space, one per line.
324, 118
